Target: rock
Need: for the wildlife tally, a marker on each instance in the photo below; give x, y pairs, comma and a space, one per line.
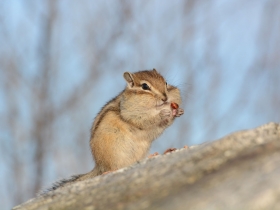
239, 171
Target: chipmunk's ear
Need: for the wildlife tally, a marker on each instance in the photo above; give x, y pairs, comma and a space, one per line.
154, 70
129, 79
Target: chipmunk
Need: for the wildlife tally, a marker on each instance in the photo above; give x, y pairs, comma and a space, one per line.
126, 126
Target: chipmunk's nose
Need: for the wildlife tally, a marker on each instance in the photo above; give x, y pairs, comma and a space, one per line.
164, 99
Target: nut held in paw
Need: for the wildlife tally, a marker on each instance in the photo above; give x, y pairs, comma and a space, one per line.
174, 105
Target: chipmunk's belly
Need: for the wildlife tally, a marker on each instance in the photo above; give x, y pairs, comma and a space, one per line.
117, 145
134, 147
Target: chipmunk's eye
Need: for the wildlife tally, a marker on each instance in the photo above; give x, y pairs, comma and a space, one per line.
145, 86
166, 84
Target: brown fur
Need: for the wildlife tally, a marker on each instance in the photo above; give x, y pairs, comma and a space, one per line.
124, 129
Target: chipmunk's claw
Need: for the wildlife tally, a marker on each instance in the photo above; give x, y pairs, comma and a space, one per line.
153, 155
107, 172
169, 150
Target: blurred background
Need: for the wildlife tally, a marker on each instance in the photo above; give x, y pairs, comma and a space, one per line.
61, 61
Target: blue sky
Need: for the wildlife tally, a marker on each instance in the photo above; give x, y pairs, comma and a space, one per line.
211, 51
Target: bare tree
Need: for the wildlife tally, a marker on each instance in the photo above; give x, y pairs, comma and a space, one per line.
57, 61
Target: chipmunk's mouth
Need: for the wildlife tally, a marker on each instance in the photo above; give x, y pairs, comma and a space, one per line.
160, 103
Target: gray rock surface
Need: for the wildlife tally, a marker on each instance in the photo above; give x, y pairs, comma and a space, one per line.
239, 171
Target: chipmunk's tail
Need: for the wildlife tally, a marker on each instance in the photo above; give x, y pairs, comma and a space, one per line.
72, 179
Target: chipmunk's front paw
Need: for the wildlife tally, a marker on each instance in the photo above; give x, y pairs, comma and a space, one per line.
166, 116
165, 113
178, 112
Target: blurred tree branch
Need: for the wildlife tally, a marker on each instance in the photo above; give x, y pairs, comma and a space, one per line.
42, 44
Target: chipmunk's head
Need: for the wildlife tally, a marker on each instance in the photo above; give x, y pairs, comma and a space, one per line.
149, 83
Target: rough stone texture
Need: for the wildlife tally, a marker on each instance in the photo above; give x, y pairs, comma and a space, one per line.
239, 171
